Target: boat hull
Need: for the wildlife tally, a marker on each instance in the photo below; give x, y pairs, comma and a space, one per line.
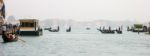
10, 40
31, 33
119, 32
107, 31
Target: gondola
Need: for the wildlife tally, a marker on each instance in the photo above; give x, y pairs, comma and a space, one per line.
10, 34
68, 30
88, 28
54, 30
107, 31
8, 37
119, 32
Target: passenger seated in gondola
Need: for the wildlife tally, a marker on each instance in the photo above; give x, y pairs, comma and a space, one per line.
10, 36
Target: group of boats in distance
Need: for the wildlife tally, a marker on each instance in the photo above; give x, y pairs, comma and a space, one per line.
135, 28
69, 29
110, 31
57, 30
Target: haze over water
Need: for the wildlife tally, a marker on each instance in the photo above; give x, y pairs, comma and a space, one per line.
81, 10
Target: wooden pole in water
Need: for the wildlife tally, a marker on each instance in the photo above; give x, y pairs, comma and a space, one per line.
138, 31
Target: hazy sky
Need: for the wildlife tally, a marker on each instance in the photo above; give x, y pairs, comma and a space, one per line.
81, 10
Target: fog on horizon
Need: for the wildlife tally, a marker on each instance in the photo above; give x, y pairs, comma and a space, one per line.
80, 10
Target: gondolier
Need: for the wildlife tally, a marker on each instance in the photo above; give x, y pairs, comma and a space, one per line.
8, 34
2, 17
4, 33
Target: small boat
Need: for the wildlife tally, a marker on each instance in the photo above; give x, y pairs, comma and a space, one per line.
9, 32
47, 28
119, 31
68, 30
10, 38
108, 31
88, 28
54, 30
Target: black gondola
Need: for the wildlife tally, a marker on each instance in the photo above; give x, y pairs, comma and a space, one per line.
108, 31
10, 38
88, 28
68, 30
119, 31
11, 34
54, 30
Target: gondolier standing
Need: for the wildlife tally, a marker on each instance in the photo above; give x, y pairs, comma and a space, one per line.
2, 18
4, 32
8, 34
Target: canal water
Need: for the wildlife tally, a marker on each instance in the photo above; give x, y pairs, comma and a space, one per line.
79, 42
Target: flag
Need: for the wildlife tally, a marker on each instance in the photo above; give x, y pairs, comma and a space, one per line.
2, 10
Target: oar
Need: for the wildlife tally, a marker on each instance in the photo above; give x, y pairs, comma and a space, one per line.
21, 39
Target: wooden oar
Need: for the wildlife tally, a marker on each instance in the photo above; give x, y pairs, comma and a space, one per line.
21, 39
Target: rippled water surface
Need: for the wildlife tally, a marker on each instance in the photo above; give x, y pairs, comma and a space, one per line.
79, 42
